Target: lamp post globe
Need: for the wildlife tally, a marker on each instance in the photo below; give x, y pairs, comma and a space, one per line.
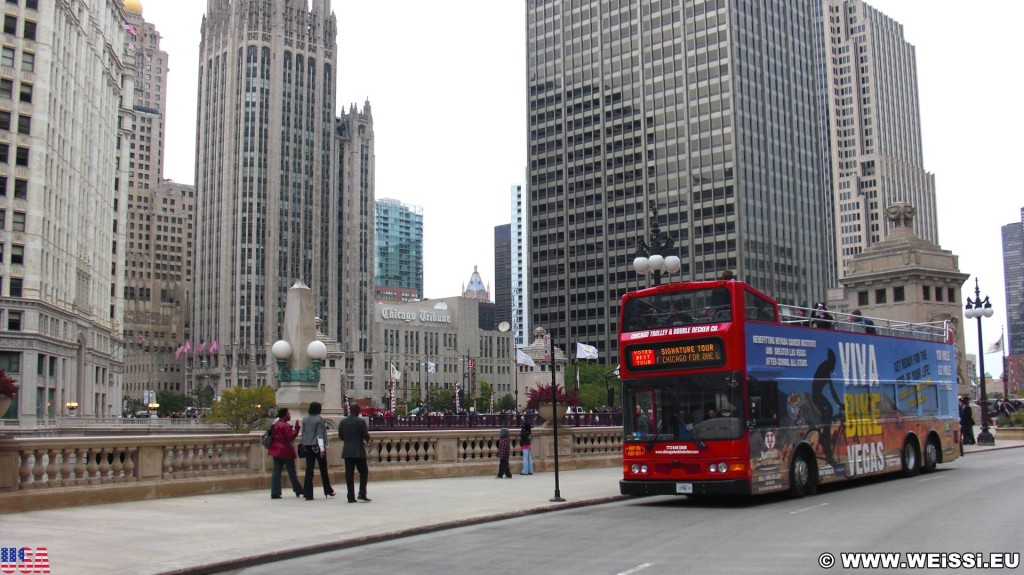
281, 350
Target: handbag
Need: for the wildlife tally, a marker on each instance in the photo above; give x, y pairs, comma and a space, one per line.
307, 450
302, 450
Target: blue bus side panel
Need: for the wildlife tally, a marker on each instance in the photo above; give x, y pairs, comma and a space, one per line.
881, 388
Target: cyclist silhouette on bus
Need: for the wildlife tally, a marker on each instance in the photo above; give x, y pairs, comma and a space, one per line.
823, 379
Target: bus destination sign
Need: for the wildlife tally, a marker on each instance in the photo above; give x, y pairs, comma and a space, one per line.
676, 355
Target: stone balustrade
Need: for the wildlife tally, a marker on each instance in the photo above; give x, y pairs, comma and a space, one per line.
48, 472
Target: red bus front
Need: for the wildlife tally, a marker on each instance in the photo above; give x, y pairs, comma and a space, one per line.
682, 370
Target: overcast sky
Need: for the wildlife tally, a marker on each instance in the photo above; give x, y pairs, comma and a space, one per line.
445, 80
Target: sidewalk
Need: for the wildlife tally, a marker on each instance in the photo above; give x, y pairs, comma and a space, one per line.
193, 535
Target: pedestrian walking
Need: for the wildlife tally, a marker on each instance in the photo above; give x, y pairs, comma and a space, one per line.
966, 423
525, 439
355, 435
504, 450
313, 447
283, 452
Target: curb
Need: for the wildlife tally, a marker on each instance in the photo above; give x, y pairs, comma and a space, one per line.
274, 556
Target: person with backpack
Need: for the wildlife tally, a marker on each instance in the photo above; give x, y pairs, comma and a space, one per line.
281, 437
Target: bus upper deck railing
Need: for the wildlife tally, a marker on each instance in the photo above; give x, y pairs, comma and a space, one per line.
926, 331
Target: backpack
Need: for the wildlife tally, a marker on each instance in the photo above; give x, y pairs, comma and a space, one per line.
267, 438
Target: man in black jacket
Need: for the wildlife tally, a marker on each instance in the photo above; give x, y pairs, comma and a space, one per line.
355, 434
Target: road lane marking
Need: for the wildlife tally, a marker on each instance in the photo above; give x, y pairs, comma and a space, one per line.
807, 508
637, 569
923, 479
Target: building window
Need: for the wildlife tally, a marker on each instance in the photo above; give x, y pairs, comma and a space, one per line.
26, 93
17, 255
20, 189
22, 157
862, 298
938, 293
950, 294
6, 88
5, 121
29, 30
880, 295
18, 221
897, 294
10, 361
24, 124
28, 62
10, 24
15, 289
8, 57
926, 293
14, 321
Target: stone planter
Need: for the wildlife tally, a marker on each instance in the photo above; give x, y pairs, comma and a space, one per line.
5, 404
545, 412
1007, 433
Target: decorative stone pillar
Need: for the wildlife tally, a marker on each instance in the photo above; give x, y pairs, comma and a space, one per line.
299, 353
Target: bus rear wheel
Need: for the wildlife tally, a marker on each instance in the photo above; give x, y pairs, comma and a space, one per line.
910, 458
931, 455
802, 476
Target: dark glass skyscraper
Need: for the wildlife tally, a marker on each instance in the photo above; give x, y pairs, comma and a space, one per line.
1013, 273
705, 111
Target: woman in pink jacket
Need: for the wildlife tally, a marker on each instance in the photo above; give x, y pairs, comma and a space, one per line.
283, 452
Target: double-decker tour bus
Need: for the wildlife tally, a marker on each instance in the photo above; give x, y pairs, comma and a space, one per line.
722, 395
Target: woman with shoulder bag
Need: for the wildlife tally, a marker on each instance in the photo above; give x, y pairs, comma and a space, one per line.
313, 447
283, 453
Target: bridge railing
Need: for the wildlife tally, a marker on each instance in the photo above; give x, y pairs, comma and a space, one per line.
44, 472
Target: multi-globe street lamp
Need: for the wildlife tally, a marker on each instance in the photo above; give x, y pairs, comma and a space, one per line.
978, 308
658, 255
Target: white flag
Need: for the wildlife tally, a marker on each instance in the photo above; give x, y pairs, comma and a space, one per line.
584, 351
996, 347
523, 359
395, 374
431, 367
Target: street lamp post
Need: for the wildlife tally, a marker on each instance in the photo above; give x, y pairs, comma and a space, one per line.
659, 255
153, 406
72, 406
979, 308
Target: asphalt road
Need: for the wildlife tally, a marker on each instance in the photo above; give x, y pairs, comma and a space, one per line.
972, 505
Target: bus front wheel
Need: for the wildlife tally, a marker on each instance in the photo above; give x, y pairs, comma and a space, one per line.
911, 464
802, 476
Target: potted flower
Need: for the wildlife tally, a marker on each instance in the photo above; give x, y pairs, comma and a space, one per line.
539, 398
8, 391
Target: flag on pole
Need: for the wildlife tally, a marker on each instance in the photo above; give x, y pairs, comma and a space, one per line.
131, 29
202, 346
584, 351
179, 351
996, 347
395, 374
577, 377
523, 359
188, 346
214, 346
431, 367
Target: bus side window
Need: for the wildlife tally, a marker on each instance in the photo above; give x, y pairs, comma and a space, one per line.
764, 403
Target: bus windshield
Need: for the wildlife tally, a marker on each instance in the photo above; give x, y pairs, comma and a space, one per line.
710, 305
692, 408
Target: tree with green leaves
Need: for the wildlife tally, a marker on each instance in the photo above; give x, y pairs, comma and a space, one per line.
506, 403
441, 399
202, 396
244, 408
170, 402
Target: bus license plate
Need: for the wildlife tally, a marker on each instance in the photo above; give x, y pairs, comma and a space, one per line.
684, 488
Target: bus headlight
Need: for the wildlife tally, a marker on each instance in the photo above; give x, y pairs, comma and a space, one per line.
643, 469
722, 467
635, 468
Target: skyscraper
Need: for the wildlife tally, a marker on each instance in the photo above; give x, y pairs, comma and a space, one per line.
704, 111
63, 183
1013, 274
399, 246
160, 230
282, 186
503, 273
874, 124
520, 268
